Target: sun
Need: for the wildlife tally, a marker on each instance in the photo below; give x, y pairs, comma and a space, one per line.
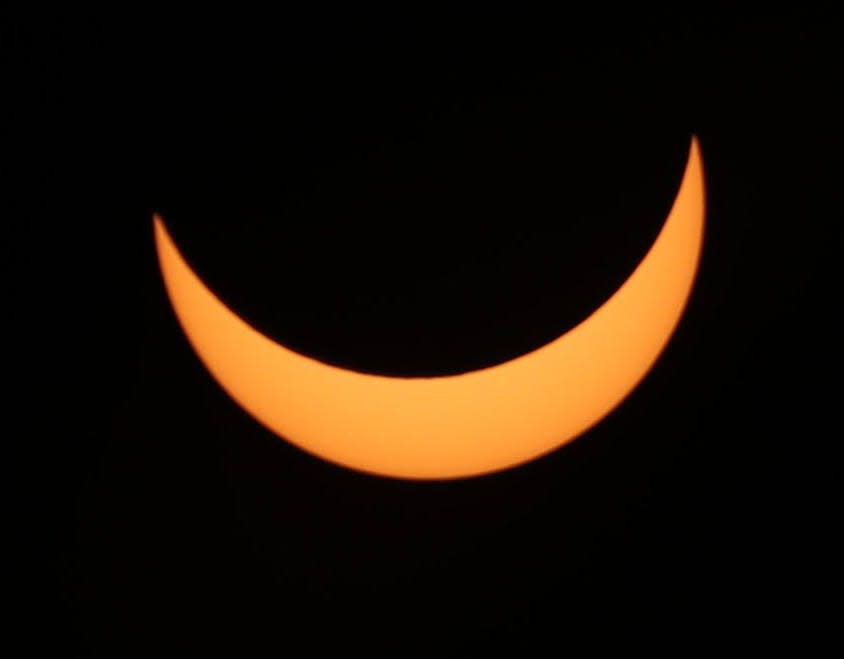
458, 425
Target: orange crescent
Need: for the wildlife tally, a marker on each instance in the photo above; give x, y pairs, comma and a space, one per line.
458, 425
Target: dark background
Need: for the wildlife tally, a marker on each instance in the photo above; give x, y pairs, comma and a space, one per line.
415, 200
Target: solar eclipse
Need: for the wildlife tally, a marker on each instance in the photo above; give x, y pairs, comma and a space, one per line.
459, 425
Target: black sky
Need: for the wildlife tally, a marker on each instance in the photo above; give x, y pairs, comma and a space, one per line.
409, 201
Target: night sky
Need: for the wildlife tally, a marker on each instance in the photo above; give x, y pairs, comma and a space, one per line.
410, 201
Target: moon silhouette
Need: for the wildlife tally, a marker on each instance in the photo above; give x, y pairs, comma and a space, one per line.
457, 425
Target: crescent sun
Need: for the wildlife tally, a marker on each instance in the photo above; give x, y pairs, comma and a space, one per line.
457, 425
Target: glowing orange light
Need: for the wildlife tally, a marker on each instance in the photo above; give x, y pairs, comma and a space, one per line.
460, 425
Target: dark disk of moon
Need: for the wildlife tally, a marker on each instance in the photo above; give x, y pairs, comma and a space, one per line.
431, 248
